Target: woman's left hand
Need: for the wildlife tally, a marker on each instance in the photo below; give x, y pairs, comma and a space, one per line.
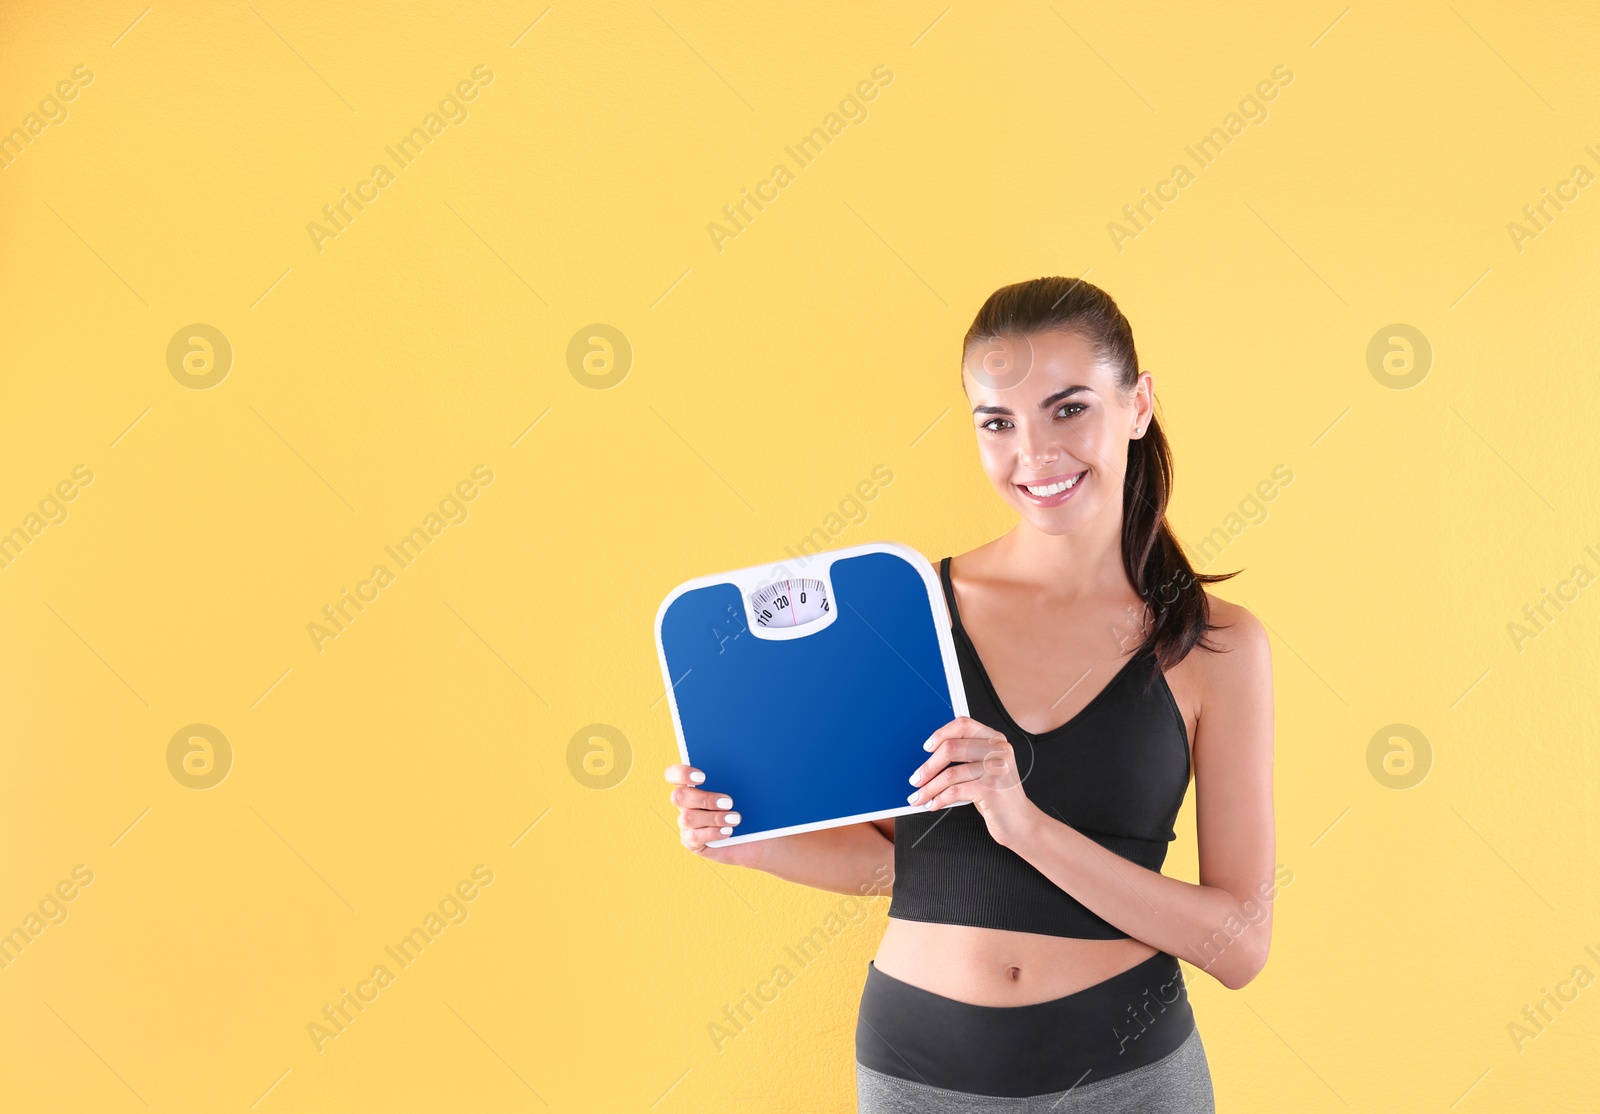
972, 762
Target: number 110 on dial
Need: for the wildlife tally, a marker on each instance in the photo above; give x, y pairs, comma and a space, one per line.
790, 603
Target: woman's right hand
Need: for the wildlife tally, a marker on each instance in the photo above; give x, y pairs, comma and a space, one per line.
705, 815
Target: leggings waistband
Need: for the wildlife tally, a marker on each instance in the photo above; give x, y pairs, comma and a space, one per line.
1134, 1018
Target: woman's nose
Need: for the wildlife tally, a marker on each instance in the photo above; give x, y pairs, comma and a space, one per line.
1039, 446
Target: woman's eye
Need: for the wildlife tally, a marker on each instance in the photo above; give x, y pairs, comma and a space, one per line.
1065, 410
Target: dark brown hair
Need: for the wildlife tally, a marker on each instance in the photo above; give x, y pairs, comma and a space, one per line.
1155, 562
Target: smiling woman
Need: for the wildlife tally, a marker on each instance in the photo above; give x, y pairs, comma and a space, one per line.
1031, 955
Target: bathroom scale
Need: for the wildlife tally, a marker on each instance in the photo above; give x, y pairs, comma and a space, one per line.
805, 690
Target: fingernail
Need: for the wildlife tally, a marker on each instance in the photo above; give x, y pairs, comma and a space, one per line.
911, 800
724, 802
916, 775
727, 831
928, 745
732, 818
696, 776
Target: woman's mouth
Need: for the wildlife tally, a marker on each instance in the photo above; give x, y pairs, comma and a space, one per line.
1053, 490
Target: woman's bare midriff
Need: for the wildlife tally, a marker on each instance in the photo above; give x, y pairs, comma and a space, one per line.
993, 967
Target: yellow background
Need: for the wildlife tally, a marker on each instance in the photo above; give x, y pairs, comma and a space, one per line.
767, 380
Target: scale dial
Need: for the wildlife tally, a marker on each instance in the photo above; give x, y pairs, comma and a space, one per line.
790, 603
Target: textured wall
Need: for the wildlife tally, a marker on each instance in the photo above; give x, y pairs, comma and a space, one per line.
259, 738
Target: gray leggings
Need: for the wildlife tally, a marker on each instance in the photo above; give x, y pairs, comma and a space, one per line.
1178, 1083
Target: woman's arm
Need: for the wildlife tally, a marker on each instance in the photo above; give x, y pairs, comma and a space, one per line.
1224, 924
853, 859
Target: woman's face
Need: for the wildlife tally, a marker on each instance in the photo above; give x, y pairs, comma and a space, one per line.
1052, 428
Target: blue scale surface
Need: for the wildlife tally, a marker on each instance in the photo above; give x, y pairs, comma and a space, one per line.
813, 729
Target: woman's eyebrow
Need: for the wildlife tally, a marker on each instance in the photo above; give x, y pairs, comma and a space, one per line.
1044, 405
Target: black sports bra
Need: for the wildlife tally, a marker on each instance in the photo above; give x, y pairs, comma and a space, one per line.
1117, 772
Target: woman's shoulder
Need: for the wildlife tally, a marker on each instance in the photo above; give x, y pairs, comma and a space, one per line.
1237, 623
975, 564
1237, 649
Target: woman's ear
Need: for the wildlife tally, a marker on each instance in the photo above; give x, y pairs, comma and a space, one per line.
1144, 391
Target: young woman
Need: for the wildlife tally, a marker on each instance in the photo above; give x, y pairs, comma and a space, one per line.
1030, 961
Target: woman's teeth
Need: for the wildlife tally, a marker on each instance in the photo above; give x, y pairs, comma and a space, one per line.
1053, 489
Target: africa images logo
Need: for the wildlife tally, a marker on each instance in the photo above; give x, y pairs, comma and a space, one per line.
451, 111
